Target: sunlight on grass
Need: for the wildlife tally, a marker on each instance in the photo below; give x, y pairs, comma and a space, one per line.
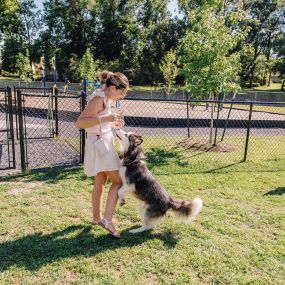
46, 237
8, 78
273, 87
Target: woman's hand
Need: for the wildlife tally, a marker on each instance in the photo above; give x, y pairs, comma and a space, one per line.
118, 124
116, 120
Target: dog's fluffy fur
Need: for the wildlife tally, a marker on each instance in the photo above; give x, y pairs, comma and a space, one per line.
137, 179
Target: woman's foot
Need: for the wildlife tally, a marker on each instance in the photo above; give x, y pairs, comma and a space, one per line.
96, 222
109, 226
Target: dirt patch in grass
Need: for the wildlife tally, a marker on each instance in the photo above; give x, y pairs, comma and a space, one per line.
197, 145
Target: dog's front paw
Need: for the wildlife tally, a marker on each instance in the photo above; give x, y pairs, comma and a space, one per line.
122, 202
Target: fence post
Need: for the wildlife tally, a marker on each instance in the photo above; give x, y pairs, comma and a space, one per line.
227, 121
15, 105
55, 94
11, 124
217, 122
82, 131
21, 130
188, 120
248, 131
212, 118
216, 127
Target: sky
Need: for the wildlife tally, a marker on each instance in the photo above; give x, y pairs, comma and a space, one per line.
172, 6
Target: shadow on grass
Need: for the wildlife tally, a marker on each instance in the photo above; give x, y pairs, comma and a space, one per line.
277, 191
222, 167
161, 157
36, 250
52, 175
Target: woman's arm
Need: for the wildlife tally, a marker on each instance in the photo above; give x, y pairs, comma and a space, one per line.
89, 117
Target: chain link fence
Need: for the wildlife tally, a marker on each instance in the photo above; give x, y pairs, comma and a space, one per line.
7, 143
46, 128
182, 136
179, 135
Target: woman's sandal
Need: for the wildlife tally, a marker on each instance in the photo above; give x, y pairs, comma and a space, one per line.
108, 225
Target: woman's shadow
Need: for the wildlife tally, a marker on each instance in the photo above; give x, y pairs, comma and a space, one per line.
277, 191
35, 250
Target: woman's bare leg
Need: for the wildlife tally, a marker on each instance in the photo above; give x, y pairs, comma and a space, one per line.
112, 194
97, 195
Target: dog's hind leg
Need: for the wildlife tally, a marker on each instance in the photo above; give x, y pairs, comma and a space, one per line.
142, 210
148, 222
139, 230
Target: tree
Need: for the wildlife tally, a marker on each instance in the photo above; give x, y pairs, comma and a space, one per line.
206, 60
9, 16
30, 20
158, 34
67, 31
74, 68
169, 70
279, 66
19, 24
265, 22
207, 64
23, 66
13, 45
88, 67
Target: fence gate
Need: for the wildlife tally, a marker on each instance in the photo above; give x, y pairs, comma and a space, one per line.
7, 141
45, 127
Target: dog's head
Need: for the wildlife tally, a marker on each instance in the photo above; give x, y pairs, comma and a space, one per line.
128, 140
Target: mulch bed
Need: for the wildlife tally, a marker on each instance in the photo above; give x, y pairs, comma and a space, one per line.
199, 145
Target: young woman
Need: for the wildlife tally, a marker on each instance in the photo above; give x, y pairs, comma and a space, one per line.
97, 119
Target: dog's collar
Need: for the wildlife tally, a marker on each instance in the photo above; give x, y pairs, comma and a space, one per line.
137, 160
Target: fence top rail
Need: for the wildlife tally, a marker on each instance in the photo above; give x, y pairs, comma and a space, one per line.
207, 101
261, 91
33, 88
50, 95
62, 91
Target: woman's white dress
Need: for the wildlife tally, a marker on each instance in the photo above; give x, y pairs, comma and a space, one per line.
93, 161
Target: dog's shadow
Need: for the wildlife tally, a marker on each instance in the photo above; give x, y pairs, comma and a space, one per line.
36, 250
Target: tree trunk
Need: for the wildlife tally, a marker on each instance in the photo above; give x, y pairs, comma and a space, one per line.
283, 85
268, 58
251, 80
264, 79
269, 79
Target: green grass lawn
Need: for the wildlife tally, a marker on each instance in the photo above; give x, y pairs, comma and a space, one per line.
277, 109
146, 88
46, 238
165, 156
274, 87
8, 78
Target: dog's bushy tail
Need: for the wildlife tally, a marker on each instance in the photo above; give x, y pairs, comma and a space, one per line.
186, 211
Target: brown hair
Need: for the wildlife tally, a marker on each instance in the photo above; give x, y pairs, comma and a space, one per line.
117, 79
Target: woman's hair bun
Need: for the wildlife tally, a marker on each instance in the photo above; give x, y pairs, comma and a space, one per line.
104, 75
117, 79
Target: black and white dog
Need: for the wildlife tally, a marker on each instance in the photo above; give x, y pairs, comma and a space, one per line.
138, 180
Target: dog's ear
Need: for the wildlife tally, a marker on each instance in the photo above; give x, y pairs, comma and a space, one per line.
137, 140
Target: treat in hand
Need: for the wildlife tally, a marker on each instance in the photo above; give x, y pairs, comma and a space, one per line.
118, 123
